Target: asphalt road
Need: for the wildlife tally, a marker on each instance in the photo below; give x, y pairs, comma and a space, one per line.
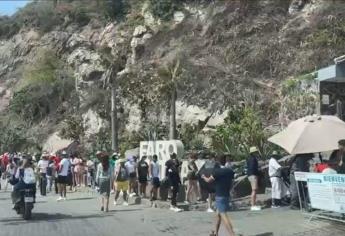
80, 215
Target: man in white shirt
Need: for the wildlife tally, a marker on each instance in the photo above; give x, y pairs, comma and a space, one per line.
42, 166
279, 190
131, 167
154, 175
63, 169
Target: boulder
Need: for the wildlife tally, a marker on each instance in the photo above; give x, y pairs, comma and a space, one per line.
54, 143
296, 6
93, 122
77, 40
179, 16
87, 65
139, 31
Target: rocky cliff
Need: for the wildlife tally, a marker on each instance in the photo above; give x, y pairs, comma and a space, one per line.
230, 52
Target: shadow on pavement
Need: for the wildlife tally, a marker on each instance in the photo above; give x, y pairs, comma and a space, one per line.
37, 217
84, 198
265, 234
125, 210
4, 198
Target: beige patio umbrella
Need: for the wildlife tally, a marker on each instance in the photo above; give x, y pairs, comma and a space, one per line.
311, 134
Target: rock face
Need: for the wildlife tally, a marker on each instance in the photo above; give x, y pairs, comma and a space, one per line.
140, 36
87, 65
297, 5
231, 49
92, 122
54, 143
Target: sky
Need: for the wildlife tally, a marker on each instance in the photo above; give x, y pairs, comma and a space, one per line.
9, 7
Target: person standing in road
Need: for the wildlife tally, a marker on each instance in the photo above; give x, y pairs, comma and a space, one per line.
143, 173
103, 178
70, 176
172, 173
50, 174
78, 171
56, 159
10, 171
207, 169
112, 163
300, 163
131, 169
121, 180
90, 173
341, 156
63, 171
279, 191
42, 168
154, 174
253, 176
223, 178
192, 179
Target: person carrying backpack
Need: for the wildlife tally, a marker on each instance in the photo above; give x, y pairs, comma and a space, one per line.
24, 178
50, 175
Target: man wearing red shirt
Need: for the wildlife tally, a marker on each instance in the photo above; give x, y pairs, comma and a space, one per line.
319, 167
56, 159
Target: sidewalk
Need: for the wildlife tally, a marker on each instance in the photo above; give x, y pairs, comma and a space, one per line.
237, 204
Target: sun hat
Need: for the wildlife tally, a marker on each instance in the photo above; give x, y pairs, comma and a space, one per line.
253, 149
45, 154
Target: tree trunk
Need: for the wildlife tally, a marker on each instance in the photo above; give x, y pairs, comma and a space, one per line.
172, 125
114, 121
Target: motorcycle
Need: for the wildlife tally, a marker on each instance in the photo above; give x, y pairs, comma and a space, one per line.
26, 204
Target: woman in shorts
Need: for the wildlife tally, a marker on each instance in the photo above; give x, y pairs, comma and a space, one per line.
192, 177
121, 182
103, 178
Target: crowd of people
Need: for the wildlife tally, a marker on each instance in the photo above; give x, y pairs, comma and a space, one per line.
114, 174
285, 188
129, 177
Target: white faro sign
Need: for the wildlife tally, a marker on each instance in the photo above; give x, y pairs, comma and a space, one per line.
162, 149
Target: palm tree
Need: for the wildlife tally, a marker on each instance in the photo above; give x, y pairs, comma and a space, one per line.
170, 74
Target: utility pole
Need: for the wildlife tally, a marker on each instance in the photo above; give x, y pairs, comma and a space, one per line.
114, 120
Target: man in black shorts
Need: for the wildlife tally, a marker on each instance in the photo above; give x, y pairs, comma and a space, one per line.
154, 173
207, 169
143, 172
64, 167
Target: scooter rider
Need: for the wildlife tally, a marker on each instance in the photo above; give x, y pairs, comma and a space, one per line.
24, 178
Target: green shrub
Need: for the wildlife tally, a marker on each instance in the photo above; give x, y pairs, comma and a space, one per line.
80, 16
41, 15
72, 128
163, 9
241, 129
328, 34
8, 28
12, 135
46, 85
113, 9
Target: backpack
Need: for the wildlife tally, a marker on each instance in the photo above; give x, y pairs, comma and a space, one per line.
49, 171
123, 175
208, 168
